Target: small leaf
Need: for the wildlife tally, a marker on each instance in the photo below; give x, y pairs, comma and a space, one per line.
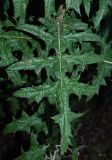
49, 8
23, 124
15, 77
75, 4
36, 93
103, 8
64, 120
84, 59
87, 5
102, 70
32, 64
73, 23
81, 88
36, 151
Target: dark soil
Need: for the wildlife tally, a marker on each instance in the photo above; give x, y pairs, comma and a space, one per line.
94, 133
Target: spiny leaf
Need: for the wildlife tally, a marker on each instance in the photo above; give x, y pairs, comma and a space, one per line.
75, 4
103, 8
49, 8
64, 120
87, 5
73, 23
37, 93
6, 54
83, 59
81, 88
103, 70
83, 36
36, 151
36, 31
23, 124
65, 117
99, 80
32, 64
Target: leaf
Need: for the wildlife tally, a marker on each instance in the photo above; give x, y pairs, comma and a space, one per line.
84, 59
102, 69
23, 124
103, 8
75, 4
64, 120
73, 23
49, 8
37, 93
36, 31
32, 64
36, 151
65, 117
87, 5
83, 36
81, 88
20, 8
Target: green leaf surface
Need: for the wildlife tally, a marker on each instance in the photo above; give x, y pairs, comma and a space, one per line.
103, 8
75, 4
83, 36
15, 77
103, 69
20, 8
32, 64
87, 5
36, 31
84, 59
81, 88
5, 54
23, 124
64, 121
73, 23
49, 8
36, 151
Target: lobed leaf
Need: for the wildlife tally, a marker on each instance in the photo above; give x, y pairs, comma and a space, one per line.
36, 31
83, 36
81, 89
23, 124
36, 151
32, 64
84, 59
37, 93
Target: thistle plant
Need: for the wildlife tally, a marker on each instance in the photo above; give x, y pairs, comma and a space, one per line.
69, 48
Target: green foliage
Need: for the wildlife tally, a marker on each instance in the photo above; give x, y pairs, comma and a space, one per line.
74, 44
24, 123
20, 9
36, 151
103, 9
75, 4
